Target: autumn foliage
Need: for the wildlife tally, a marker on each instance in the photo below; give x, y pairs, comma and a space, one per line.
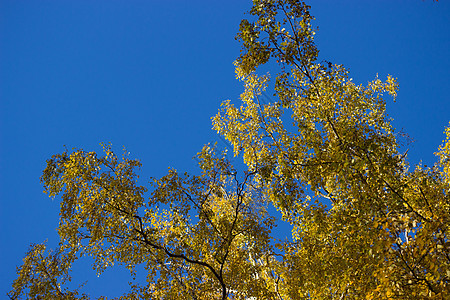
365, 224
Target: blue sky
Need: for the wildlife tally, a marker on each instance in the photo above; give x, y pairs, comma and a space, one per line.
148, 75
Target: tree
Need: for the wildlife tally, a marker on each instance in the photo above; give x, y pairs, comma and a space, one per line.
363, 224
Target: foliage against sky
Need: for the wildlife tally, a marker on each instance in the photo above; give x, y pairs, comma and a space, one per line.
344, 150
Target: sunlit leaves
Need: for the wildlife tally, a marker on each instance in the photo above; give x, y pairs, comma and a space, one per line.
43, 275
381, 234
323, 153
197, 236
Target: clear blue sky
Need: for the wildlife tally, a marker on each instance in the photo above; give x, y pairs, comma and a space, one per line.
148, 75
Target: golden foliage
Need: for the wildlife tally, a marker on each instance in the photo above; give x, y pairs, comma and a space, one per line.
383, 235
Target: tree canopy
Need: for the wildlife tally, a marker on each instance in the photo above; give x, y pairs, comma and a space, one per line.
365, 224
